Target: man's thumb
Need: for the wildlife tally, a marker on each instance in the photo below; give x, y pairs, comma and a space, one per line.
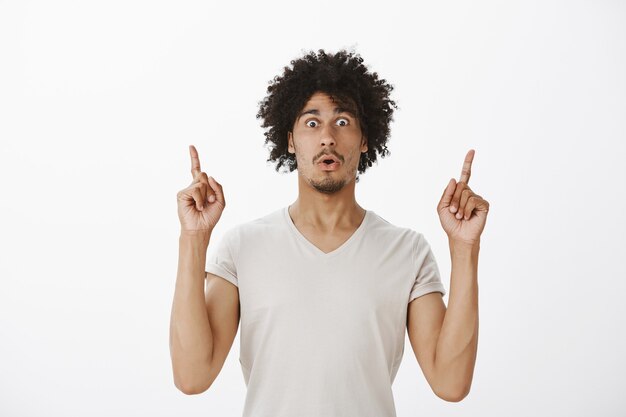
448, 193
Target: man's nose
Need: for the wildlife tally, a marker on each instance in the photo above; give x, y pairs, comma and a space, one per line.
328, 137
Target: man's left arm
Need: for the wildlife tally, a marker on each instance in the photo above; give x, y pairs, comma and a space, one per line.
445, 340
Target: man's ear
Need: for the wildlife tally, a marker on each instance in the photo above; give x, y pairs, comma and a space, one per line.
290, 147
364, 147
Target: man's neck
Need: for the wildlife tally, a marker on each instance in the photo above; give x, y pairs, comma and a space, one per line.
326, 212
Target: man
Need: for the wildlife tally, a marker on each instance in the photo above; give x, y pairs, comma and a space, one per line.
324, 287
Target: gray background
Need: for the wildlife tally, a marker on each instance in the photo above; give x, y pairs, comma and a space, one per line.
100, 100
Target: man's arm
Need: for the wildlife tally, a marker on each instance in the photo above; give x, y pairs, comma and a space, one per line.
191, 341
202, 325
445, 341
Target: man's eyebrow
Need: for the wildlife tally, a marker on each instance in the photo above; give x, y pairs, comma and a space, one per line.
338, 110
345, 110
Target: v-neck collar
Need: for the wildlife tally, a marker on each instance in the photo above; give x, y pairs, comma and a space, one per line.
315, 249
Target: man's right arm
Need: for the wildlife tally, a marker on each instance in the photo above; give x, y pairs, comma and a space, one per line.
202, 326
203, 323
191, 340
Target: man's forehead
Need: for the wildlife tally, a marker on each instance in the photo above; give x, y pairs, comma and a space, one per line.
320, 97
339, 105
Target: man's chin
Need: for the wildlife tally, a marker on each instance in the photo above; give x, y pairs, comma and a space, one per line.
328, 187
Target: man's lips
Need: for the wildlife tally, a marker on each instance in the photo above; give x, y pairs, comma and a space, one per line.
328, 167
328, 158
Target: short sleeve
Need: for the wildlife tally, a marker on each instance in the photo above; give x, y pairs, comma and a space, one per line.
428, 278
221, 259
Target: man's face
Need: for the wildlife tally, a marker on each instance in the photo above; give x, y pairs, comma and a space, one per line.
326, 130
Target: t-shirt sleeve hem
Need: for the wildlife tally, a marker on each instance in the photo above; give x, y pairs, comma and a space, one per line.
426, 289
222, 273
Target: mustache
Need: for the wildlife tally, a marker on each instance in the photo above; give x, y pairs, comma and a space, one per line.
335, 154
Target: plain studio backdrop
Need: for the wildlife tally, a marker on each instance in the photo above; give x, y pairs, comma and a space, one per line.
99, 102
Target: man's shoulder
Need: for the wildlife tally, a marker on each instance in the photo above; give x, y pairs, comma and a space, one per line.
381, 222
382, 228
269, 221
272, 218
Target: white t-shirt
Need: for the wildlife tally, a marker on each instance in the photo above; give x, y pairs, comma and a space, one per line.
322, 334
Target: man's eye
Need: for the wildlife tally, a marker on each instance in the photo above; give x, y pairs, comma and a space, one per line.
311, 123
342, 122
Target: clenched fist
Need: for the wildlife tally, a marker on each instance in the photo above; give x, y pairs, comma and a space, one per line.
201, 204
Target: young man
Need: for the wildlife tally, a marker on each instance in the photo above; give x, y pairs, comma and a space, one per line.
325, 288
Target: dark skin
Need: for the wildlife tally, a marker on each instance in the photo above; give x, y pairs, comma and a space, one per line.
326, 219
471, 209
444, 339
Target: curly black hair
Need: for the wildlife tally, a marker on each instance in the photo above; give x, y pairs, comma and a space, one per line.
345, 78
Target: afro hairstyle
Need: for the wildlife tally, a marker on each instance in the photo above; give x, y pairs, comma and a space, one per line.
345, 78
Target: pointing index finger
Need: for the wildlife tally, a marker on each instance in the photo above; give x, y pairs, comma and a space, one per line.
195, 161
467, 167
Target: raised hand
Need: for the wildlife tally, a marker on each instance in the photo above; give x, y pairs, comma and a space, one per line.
463, 213
201, 204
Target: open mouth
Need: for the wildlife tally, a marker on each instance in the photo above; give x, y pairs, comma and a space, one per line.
328, 164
